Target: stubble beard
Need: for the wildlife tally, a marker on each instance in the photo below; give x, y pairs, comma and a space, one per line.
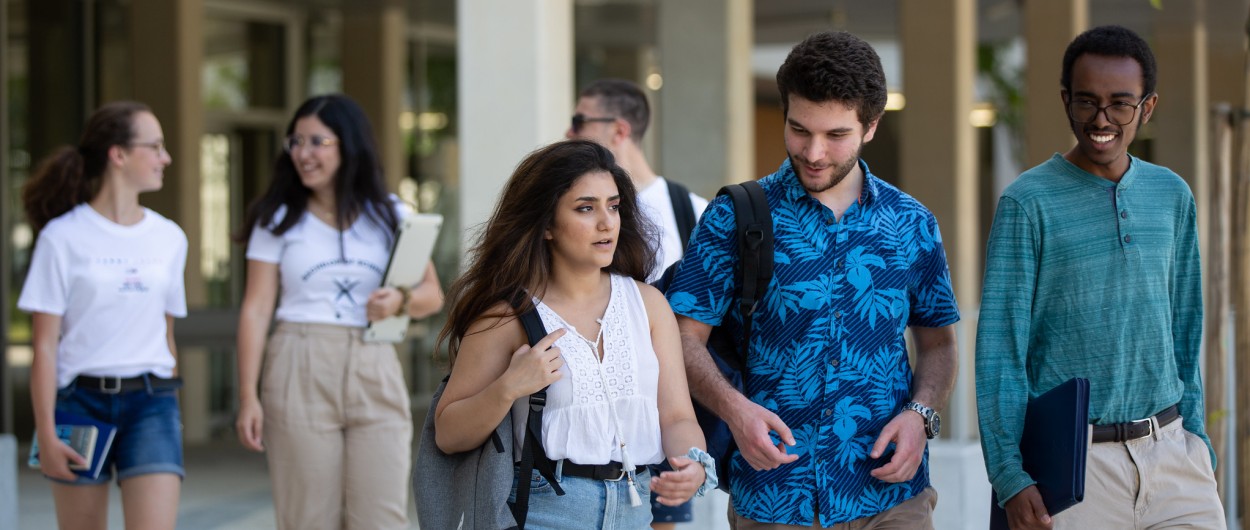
839, 174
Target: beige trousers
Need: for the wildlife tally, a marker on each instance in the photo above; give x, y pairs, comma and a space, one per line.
338, 429
915, 513
1160, 481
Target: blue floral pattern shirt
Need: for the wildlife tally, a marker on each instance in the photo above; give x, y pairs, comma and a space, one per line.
827, 348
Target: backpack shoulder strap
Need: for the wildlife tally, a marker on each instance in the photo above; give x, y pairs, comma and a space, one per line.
755, 251
532, 454
683, 210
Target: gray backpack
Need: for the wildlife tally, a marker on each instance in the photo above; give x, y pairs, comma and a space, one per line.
470, 490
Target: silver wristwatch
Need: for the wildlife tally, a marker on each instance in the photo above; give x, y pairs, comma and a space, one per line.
932, 420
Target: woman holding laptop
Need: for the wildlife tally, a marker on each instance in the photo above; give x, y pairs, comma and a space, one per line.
331, 412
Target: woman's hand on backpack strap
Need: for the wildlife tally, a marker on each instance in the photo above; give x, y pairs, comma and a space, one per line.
533, 368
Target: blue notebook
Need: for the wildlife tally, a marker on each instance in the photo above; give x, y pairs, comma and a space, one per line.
1053, 447
86, 436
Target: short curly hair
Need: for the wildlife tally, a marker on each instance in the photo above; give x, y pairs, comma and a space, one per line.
835, 66
1112, 41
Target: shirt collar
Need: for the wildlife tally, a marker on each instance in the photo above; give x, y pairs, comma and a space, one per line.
1125, 181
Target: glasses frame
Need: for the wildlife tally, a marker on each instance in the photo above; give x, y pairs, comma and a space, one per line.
158, 146
316, 141
580, 120
1103, 110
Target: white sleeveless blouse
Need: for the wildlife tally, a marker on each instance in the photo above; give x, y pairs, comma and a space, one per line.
591, 399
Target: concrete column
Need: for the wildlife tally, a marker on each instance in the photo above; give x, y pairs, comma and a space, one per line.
515, 88
6, 243
167, 51
937, 155
937, 152
1181, 119
1049, 25
373, 74
1226, 50
707, 126
8, 481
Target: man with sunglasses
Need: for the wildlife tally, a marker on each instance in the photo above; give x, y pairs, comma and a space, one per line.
615, 113
1092, 271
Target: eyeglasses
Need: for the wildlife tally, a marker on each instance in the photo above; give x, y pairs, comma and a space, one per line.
158, 146
1119, 113
296, 141
580, 120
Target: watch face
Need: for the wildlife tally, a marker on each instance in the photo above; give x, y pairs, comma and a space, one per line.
936, 423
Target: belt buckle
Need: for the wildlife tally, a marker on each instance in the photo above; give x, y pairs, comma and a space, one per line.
106, 389
1150, 428
618, 477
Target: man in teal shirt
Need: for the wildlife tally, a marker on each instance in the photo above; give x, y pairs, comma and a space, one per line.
1093, 271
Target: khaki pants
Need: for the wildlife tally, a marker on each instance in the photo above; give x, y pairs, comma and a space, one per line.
1161, 481
338, 429
915, 513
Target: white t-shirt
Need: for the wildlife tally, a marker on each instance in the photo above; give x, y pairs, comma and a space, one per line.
578, 422
320, 285
658, 208
112, 285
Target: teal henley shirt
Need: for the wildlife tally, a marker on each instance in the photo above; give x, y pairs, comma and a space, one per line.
1090, 278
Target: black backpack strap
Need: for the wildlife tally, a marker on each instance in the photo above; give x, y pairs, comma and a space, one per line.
532, 454
755, 252
683, 210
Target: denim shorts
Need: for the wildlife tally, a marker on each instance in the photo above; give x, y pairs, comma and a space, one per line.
587, 504
149, 430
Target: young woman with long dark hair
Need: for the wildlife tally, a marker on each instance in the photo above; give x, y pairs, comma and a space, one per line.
566, 238
332, 411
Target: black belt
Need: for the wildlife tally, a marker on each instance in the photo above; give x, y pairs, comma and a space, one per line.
117, 385
608, 471
1132, 430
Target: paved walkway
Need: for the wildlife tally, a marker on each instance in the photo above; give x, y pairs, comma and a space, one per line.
227, 487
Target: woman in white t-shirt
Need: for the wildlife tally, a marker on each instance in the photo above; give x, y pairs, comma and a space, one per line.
332, 412
567, 239
104, 287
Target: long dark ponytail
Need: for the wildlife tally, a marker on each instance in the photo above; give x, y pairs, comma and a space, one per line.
72, 175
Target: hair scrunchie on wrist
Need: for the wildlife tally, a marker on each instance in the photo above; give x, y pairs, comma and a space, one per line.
710, 481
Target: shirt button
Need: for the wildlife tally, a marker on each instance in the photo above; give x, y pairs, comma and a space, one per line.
837, 314
1124, 214
828, 221
828, 413
833, 362
1128, 239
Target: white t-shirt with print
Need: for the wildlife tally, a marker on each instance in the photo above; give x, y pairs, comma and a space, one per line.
319, 284
112, 285
658, 208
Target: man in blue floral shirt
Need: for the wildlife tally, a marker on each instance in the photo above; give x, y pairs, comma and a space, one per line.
833, 425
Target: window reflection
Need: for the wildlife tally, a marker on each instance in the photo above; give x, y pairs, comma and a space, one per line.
242, 65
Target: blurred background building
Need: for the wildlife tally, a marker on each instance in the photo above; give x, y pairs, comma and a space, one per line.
459, 90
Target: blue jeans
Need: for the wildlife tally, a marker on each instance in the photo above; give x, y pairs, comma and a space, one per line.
587, 504
149, 430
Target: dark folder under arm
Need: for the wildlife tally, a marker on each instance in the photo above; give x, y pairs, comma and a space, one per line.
1053, 447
